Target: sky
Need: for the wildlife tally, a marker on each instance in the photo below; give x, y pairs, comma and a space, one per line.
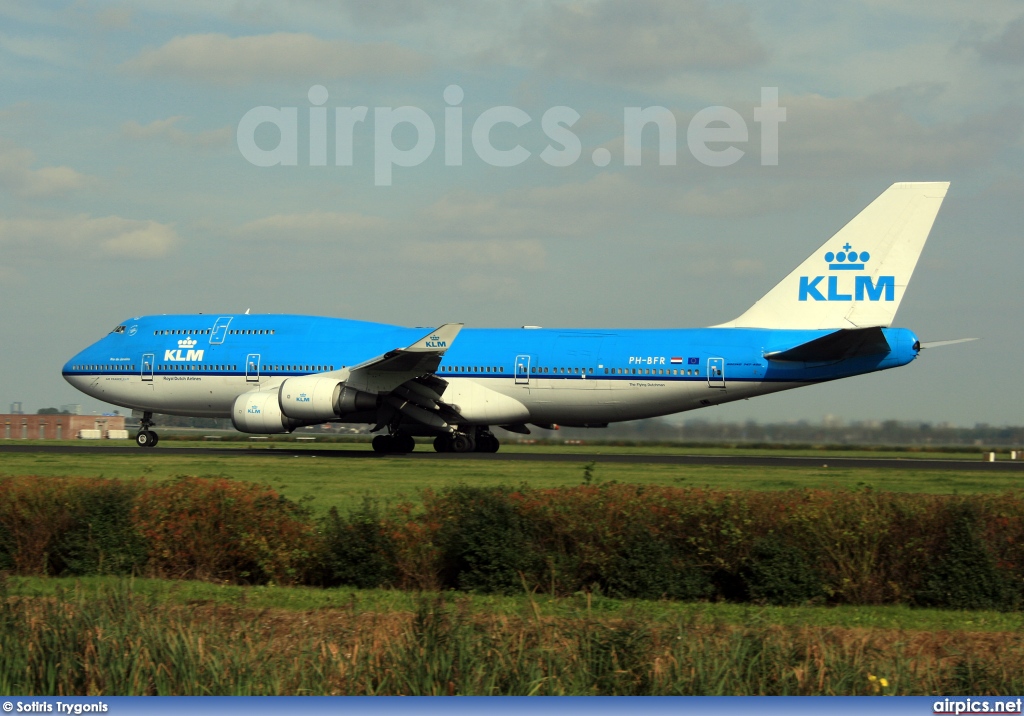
131, 181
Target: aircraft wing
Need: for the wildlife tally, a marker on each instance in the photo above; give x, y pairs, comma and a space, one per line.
383, 374
405, 376
423, 356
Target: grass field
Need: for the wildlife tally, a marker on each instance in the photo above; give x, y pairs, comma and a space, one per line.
237, 441
120, 637
185, 593
343, 481
303, 640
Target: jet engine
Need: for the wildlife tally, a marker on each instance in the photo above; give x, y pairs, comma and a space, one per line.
260, 413
314, 398
310, 397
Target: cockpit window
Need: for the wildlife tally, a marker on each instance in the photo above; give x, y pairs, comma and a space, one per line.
119, 329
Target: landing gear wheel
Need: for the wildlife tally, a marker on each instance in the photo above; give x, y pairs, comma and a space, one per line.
146, 437
443, 443
382, 444
402, 443
462, 443
487, 443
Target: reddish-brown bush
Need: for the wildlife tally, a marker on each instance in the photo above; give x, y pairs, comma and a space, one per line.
216, 528
67, 525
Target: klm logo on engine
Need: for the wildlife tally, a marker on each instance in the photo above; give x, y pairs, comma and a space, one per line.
435, 342
302, 398
839, 287
185, 351
253, 410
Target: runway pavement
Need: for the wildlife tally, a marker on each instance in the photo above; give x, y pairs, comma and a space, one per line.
592, 455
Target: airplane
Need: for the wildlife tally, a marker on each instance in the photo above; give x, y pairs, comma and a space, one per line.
828, 319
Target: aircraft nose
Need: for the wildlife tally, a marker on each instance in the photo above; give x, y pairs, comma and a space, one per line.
72, 371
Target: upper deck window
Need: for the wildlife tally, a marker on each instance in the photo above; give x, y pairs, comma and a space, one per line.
119, 329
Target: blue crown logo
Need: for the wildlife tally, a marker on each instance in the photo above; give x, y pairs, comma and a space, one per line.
847, 259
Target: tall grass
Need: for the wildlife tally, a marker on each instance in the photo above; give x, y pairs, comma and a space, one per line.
121, 643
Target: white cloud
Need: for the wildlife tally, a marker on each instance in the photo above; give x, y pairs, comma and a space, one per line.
44, 50
848, 136
86, 236
643, 40
490, 286
569, 210
606, 204
477, 253
167, 129
396, 240
315, 227
18, 176
219, 59
114, 18
1008, 46
396, 13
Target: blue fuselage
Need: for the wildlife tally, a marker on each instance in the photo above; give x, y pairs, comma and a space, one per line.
198, 364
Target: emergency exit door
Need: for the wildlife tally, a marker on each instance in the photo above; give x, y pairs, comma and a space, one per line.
716, 372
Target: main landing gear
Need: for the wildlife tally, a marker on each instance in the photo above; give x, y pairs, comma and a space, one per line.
396, 444
145, 436
400, 443
483, 441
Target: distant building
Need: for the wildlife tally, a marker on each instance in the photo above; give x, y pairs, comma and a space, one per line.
18, 426
72, 408
16, 408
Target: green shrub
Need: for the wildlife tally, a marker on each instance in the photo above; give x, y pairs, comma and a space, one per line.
484, 542
964, 575
648, 567
780, 573
33, 513
56, 525
357, 549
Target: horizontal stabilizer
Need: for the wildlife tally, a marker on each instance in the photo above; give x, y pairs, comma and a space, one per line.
843, 344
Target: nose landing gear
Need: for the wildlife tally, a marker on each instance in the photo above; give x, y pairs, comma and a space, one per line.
146, 437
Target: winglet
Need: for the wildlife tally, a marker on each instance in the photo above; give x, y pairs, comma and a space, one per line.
438, 340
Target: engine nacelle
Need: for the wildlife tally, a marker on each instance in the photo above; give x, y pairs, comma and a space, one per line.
310, 397
313, 398
260, 413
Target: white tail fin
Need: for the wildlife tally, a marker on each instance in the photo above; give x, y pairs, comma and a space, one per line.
858, 277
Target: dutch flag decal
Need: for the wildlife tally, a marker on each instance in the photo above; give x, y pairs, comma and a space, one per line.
676, 360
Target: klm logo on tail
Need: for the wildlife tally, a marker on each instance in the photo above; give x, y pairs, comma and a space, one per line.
835, 289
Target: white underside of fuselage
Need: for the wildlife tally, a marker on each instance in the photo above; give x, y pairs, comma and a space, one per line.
575, 400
